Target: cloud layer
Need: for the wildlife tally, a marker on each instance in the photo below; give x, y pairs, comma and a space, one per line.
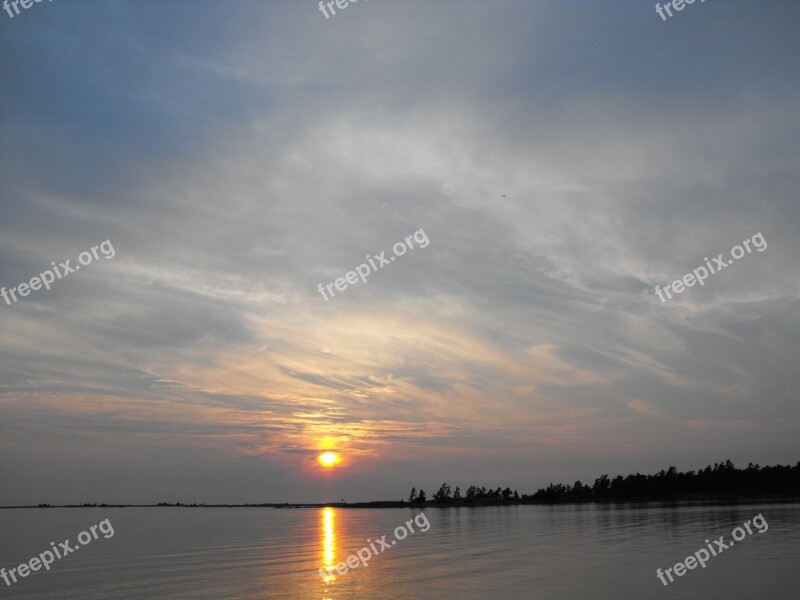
562, 159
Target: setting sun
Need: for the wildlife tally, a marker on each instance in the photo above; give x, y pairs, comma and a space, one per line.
329, 459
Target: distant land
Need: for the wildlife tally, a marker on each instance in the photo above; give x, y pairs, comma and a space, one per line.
721, 483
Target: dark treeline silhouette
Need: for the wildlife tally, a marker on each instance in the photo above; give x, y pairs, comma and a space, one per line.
721, 480
473, 495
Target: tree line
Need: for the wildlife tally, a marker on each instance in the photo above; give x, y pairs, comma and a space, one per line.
474, 494
722, 478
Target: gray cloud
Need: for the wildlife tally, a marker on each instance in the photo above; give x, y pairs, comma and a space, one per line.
563, 160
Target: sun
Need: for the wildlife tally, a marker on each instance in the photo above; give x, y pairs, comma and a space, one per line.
329, 459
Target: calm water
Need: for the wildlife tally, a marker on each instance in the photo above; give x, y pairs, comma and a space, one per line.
576, 552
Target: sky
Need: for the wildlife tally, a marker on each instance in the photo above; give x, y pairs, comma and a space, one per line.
561, 158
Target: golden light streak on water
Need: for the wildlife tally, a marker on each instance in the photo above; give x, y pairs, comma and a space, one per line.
328, 544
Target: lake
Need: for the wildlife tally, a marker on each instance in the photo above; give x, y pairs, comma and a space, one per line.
533, 552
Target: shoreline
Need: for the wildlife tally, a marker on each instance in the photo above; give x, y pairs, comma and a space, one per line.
696, 499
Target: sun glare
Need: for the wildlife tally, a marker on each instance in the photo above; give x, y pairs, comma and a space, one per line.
329, 459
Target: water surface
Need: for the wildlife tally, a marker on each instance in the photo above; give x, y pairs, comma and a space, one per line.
581, 552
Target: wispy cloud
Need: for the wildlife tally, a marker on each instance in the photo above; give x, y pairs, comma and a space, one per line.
561, 161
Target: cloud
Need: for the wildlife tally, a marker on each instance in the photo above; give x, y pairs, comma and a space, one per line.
561, 162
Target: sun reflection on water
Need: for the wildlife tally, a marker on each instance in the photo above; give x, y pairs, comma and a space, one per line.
328, 545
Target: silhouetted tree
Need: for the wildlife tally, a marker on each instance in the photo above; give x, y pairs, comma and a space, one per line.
443, 495
601, 486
